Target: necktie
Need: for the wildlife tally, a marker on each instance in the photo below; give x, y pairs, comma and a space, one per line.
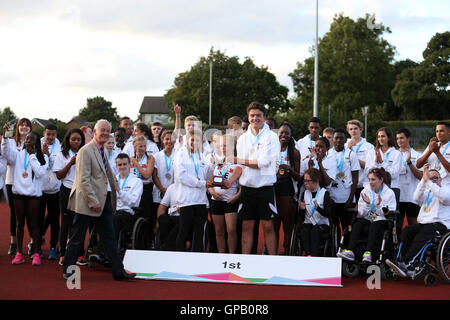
102, 152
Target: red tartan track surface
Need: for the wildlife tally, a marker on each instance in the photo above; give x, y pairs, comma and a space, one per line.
45, 282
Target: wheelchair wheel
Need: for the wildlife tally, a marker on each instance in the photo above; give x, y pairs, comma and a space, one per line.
387, 273
295, 247
350, 270
334, 240
142, 235
443, 257
430, 279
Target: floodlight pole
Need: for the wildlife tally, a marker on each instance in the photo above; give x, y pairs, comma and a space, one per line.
210, 91
316, 66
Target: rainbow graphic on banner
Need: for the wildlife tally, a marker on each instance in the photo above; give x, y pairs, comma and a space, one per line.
230, 277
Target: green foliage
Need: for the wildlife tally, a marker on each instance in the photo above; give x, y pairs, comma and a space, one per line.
421, 90
355, 70
6, 114
98, 108
234, 86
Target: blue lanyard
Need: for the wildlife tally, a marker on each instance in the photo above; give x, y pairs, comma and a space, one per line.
313, 207
257, 137
224, 172
316, 163
310, 141
357, 149
123, 184
403, 159
340, 163
25, 163
110, 155
53, 148
283, 155
373, 199
171, 160
196, 164
72, 154
387, 156
140, 162
443, 153
429, 200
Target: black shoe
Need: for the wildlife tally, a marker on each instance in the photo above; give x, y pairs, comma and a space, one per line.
12, 249
124, 276
66, 275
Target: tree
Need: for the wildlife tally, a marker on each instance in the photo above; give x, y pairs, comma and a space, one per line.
98, 108
7, 115
234, 86
422, 90
355, 70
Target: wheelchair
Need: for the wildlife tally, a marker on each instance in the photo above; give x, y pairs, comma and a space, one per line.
328, 241
432, 260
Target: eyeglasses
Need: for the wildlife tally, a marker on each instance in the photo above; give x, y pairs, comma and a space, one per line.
435, 178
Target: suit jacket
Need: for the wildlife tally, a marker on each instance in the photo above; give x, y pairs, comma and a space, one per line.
90, 186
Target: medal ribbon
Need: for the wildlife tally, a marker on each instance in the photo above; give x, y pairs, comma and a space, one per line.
448, 144
25, 163
224, 172
196, 164
373, 199
429, 200
340, 163
123, 184
283, 155
168, 166
140, 164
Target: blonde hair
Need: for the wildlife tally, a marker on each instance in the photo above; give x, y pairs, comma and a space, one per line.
195, 133
234, 120
138, 139
190, 118
355, 123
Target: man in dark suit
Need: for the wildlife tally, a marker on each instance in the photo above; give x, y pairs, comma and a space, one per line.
93, 198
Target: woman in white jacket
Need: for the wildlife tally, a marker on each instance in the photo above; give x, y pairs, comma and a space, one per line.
30, 168
385, 155
191, 173
376, 200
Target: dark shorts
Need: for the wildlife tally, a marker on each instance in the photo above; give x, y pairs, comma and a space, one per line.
284, 187
257, 203
222, 207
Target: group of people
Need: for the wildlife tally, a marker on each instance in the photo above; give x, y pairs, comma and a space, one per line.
252, 176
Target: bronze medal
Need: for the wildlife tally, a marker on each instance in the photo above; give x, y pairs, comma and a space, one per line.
25, 174
281, 172
252, 150
427, 209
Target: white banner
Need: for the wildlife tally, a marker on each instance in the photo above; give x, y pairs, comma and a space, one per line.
234, 268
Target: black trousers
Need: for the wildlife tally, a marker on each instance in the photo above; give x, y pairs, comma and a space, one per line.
414, 238
168, 230
191, 218
310, 237
51, 203
374, 230
123, 221
105, 228
66, 221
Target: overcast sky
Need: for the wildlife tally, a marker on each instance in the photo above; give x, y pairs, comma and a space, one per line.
55, 54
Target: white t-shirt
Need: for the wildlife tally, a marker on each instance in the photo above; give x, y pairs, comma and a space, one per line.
28, 165
51, 184
303, 144
361, 150
392, 163
130, 193
166, 177
226, 171
143, 164
387, 200
433, 161
170, 201
112, 161
328, 164
265, 148
60, 162
407, 181
340, 190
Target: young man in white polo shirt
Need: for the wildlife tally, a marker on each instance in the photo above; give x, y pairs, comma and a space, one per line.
257, 152
305, 144
437, 154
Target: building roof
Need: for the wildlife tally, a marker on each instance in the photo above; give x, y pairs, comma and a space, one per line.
41, 122
154, 105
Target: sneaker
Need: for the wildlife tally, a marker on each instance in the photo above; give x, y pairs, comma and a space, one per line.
417, 273
30, 249
367, 257
346, 254
36, 260
18, 259
61, 260
52, 254
398, 267
81, 261
12, 249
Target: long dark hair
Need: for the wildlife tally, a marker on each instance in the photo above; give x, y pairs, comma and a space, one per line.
66, 141
17, 136
390, 135
291, 143
143, 127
